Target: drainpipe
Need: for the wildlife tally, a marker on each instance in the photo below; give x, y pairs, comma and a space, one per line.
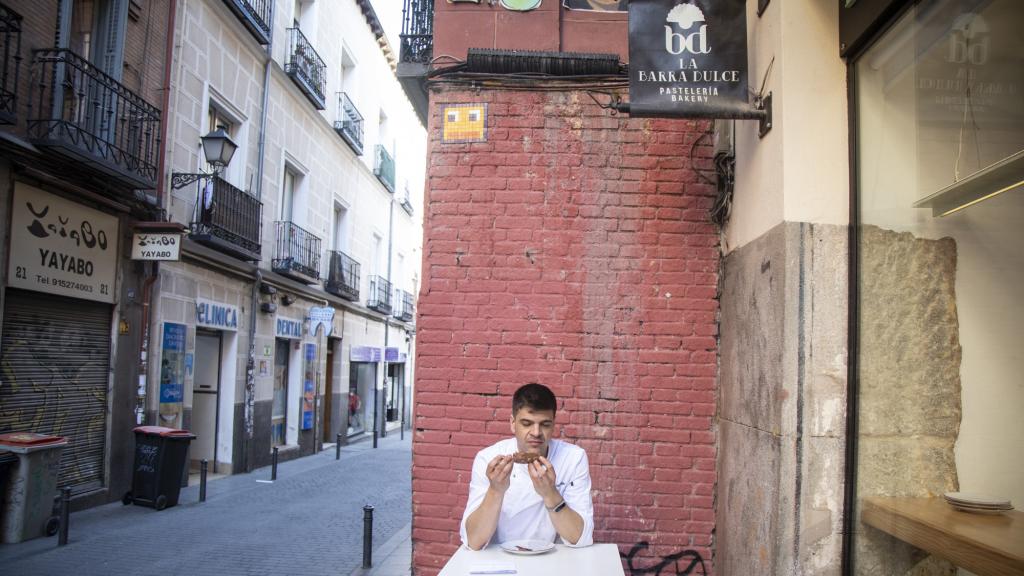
387, 318
250, 366
161, 185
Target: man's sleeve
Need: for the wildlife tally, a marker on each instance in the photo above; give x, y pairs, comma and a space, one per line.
577, 496
478, 484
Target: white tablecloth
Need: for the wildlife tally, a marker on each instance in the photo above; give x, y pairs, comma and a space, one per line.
596, 560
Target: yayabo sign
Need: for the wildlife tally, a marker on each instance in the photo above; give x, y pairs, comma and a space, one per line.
216, 315
156, 246
688, 59
61, 247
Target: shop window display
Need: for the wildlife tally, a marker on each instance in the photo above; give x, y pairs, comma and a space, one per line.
940, 265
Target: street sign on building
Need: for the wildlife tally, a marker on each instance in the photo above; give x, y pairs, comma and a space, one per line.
688, 59
156, 246
61, 247
216, 315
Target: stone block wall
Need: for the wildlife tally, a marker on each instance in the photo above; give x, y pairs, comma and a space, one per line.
782, 401
571, 248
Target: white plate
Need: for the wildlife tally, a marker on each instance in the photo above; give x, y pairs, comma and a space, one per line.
979, 510
527, 547
970, 499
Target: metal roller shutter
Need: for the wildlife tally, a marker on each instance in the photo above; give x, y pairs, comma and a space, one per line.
54, 374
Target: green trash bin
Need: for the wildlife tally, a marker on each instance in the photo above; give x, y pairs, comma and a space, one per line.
160, 455
31, 486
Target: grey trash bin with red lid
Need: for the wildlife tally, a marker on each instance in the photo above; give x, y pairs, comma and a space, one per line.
160, 456
30, 486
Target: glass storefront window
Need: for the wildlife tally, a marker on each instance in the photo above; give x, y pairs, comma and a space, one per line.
940, 108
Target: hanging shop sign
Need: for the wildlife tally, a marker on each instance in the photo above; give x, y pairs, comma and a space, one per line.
61, 247
289, 329
688, 59
172, 367
364, 354
394, 356
216, 315
308, 386
156, 246
321, 316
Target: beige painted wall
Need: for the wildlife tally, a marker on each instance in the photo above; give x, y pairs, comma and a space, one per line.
218, 60
799, 172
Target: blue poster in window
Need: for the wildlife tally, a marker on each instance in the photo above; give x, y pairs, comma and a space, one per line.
172, 364
308, 385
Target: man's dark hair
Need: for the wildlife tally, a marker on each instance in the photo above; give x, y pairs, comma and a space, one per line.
537, 397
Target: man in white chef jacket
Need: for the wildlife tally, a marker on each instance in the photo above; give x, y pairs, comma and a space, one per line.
546, 498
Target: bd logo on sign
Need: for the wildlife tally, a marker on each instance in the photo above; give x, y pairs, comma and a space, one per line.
685, 17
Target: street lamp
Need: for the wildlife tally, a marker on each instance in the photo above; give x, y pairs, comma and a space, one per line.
218, 148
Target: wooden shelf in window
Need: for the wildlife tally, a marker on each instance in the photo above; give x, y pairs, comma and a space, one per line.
982, 543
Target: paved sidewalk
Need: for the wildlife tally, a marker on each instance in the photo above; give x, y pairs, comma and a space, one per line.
309, 522
393, 558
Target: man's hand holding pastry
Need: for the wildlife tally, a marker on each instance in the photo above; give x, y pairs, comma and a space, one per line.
542, 473
498, 472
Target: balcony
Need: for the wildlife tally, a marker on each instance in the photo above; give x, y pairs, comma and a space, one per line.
10, 35
84, 115
343, 276
384, 168
228, 219
306, 68
349, 124
255, 15
416, 52
296, 253
405, 310
380, 295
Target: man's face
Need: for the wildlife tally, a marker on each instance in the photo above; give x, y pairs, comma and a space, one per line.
533, 429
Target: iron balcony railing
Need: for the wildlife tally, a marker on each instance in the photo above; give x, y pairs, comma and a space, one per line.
380, 295
296, 253
417, 35
384, 168
10, 35
406, 201
306, 68
405, 310
228, 219
349, 124
84, 114
255, 15
343, 276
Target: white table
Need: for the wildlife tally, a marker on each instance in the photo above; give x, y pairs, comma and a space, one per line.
596, 560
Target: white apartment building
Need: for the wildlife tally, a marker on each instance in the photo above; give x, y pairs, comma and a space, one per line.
288, 319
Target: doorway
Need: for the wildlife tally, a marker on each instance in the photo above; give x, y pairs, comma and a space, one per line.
206, 397
331, 404
361, 399
279, 409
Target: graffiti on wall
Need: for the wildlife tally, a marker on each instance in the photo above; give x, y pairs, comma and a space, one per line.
682, 563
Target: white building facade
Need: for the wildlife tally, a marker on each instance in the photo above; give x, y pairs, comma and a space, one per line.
288, 319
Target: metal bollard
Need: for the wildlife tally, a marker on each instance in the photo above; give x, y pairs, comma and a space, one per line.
367, 536
273, 466
337, 448
65, 515
202, 480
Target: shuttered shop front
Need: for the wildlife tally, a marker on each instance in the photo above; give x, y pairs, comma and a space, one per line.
55, 368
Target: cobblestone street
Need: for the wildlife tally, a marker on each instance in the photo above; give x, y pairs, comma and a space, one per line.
308, 522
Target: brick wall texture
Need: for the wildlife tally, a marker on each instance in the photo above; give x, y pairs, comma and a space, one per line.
572, 248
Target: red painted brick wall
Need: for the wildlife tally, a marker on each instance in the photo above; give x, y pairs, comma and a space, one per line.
573, 248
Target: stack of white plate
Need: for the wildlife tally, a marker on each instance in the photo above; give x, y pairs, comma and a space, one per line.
977, 503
